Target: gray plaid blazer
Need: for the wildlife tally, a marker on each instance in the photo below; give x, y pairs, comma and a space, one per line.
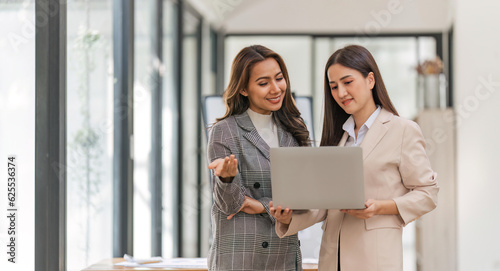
247, 242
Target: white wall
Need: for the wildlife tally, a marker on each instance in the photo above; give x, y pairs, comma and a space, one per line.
477, 100
369, 17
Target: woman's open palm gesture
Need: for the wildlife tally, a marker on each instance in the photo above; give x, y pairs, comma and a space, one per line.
225, 168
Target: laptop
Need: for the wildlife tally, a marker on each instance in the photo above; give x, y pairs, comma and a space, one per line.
317, 177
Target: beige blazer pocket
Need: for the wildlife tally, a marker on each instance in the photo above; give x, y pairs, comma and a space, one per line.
383, 221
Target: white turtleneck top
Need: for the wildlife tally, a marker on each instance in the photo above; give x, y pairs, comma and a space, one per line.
266, 127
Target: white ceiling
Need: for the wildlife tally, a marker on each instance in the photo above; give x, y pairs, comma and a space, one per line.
328, 16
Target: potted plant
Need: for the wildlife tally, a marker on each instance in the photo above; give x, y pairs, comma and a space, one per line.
432, 82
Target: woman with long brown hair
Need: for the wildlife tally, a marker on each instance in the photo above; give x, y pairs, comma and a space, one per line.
260, 114
400, 185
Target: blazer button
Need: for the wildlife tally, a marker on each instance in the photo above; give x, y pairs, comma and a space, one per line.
265, 244
256, 185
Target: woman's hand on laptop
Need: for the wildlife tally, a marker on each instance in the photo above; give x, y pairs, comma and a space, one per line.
225, 168
282, 215
366, 213
374, 207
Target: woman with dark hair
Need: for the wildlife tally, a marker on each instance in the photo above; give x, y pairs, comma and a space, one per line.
400, 185
260, 114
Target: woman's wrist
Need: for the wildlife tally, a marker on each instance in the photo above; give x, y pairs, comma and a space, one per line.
227, 179
386, 207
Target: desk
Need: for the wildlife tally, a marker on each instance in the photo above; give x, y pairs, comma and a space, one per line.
108, 265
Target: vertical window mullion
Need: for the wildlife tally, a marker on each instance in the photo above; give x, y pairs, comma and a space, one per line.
123, 50
50, 136
178, 216
156, 130
199, 36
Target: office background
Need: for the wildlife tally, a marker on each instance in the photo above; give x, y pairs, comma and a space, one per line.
101, 103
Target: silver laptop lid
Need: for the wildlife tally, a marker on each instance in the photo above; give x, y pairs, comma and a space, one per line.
317, 178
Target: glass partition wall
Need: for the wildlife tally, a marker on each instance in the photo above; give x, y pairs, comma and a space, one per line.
17, 131
144, 85
190, 106
89, 132
169, 128
159, 37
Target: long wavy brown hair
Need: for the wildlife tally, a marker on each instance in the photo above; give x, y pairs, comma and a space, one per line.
288, 115
358, 58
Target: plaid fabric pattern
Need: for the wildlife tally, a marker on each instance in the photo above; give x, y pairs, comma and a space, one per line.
246, 242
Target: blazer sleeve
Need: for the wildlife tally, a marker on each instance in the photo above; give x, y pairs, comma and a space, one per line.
300, 220
417, 176
228, 197
265, 202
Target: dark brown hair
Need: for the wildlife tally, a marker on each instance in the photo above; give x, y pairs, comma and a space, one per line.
288, 115
358, 58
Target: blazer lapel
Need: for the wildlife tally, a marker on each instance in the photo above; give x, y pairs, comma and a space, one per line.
376, 132
252, 135
343, 140
285, 139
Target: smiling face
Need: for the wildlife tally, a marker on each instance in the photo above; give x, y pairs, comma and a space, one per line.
266, 87
351, 90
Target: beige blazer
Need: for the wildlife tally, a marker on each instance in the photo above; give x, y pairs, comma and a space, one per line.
395, 167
